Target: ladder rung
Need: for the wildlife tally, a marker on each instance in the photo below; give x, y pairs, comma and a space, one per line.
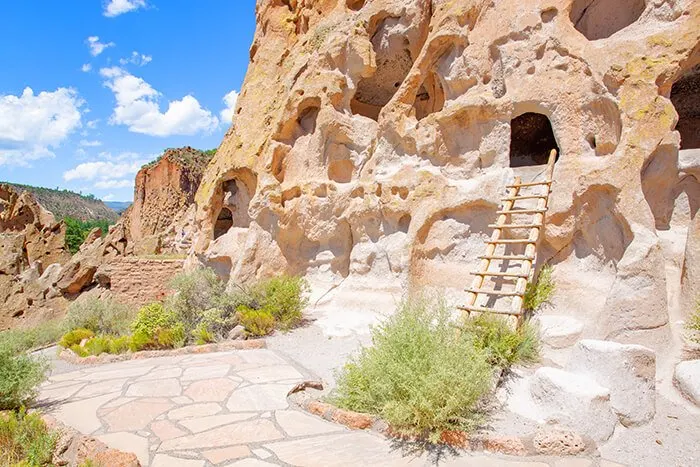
501, 274
511, 257
514, 226
515, 198
522, 211
479, 309
503, 293
512, 240
522, 185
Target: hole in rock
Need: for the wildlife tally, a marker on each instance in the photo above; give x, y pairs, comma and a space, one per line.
599, 19
430, 97
404, 222
531, 140
355, 4
341, 170
685, 96
234, 208
223, 223
393, 61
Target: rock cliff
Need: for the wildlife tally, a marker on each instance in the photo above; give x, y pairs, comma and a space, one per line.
32, 244
160, 219
372, 141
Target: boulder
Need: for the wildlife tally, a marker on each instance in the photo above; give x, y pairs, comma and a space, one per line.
687, 380
573, 401
237, 332
75, 276
627, 370
557, 442
559, 331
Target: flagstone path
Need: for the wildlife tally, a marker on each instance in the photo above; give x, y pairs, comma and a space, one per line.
223, 409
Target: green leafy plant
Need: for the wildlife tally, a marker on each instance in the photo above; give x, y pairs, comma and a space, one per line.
285, 297
202, 335
256, 322
25, 440
101, 316
77, 231
21, 340
75, 337
421, 374
156, 327
539, 292
503, 345
19, 377
118, 344
196, 294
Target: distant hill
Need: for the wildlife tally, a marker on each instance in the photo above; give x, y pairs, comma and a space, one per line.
118, 206
64, 203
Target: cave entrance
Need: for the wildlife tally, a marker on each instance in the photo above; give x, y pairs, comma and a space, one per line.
685, 95
531, 140
393, 61
600, 19
234, 208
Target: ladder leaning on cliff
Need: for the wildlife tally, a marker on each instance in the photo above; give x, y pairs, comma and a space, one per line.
506, 222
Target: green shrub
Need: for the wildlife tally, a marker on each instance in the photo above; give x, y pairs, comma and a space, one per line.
539, 292
218, 322
421, 375
693, 324
156, 327
79, 350
195, 292
77, 231
256, 322
25, 440
101, 316
202, 335
285, 297
75, 337
503, 345
21, 340
118, 344
19, 377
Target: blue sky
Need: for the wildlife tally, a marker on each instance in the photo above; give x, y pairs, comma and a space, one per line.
91, 90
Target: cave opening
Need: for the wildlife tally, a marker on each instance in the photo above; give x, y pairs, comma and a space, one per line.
223, 223
393, 60
234, 208
430, 97
600, 19
685, 96
531, 140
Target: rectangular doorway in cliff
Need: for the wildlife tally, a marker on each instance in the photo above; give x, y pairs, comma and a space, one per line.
685, 95
531, 140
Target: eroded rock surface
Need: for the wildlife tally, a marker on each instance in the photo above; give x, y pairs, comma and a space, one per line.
372, 141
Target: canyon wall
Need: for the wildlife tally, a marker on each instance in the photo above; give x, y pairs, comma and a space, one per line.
372, 141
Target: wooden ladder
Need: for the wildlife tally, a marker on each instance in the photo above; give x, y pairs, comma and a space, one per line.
526, 260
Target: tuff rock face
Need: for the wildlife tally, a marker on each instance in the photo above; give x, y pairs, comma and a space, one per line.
32, 244
160, 219
372, 141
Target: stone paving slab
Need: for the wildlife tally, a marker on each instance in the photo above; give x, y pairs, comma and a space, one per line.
221, 409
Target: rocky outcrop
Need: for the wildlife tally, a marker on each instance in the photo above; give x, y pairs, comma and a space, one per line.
372, 140
160, 219
32, 245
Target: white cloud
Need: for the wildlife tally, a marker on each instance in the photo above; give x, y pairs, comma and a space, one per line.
108, 174
136, 59
112, 184
230, 101
92, 124
86, 67
118, 7
96, 47
31, 125
138, 108
89, 144
109, 197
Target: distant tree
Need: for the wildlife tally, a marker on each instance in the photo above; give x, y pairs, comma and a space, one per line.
77, 230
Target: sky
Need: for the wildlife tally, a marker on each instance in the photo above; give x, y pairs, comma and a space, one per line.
92, 90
